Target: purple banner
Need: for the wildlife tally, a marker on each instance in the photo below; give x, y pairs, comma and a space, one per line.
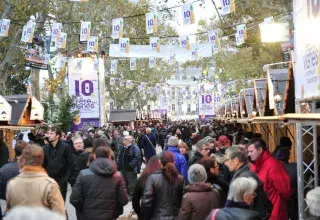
205, 117
83, 124
161, 111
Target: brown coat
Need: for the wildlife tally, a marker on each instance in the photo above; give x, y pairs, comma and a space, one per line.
198, 201
33, 187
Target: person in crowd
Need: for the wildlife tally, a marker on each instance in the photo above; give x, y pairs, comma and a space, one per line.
223, 144
237, 163
33, 187
100, 192
58, 160
184, 150
241, 195
129, 163
274, 176
179, 160
212, 144
116, 141
152, 166
4, 153
203, 150
161, 199
199, 198
285, 142
32, 138
166, 141
163, 132
313, 201
149, 144
178, 134
33, 213
78, 144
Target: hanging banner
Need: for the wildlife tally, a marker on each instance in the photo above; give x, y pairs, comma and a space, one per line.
241, 34
152, 62
228, 6
195, 54
112, 81
151, 22
124, 44
62, 42
4, 27
133, 64
129, 84
188, 14
5, 110
30, 31
215, 40
185, 42
56, 31
172, 59
113, 67
155, 44
93, 44
37, 110
85, 31
117, 28
24, 34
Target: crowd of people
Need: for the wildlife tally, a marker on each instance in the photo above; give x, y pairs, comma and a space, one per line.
204, 171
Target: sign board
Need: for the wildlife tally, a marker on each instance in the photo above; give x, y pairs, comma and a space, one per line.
37, 110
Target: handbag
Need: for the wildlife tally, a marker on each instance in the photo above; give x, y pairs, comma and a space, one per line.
213, 216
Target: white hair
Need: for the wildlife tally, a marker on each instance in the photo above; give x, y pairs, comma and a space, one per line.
148, 130
313, 201
126, 133
240, 187
77, 137
130, 138
33, 213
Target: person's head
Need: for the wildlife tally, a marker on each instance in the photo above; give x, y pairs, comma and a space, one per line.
46, 140
183, 148
243, 189
313, 201
255, 149
283, 154
32, 155
78, 143
31, 136
148, 130
257, 135
224, 142
99, 142
91, 133
235, 158
126, 133
127, 141
210, 165
54, 134
104, 152
197, 174
248, 135
168, 168
19, 147
203, 148
116, 133
285, 142
152, 165
173, 141
88, 143
178, 131
210, 140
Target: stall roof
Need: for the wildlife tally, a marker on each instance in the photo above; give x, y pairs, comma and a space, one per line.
16, 128
123, 115
18, 103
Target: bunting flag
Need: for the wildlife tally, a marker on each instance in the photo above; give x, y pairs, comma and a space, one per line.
62, 42
129, 84
188, 14
133, 64
92, 44
28, 32
113, 67
151, 22
214, 40
4, 27
56, 31
152, 62
185, 42
124, 44
85, 31
228, 6
172, 59
241, 34
195, 54
117, 28
155, 44
112, 81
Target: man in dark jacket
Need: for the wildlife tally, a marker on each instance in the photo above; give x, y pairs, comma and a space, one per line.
78, 148
129, 163
99, 192
58, 160
163, 132
236, 161
4, 153
203, 150
149, 144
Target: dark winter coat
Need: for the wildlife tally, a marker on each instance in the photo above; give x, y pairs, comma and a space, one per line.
134, 158
149, 146
161, 200
219, 184
199, 199
137, 194
235, 213
80, 163
195, 159
100, 191
4, 155
7, 172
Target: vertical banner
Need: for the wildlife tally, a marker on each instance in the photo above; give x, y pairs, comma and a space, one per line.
185, 42
241, 34
155, 44
271, 92
62, 42
5, 110
188, 14
228, 6
129, 84
24, 34
152, 62
133, 64
124, 44
85, 31
117, 28
113, 67
93, 44
28, 32
4, 27
172, 59
151, 22
56, 31
140, 88
112, 81
195, 54
214, 40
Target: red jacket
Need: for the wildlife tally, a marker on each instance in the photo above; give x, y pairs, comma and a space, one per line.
276, 183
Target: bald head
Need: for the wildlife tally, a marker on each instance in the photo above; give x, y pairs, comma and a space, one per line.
148, 130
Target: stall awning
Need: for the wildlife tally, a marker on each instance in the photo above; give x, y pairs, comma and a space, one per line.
122, 115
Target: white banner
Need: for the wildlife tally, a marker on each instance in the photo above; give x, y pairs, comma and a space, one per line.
241, 34
228, 6
151, 22
155, 44
56, 31
133, 64
24, 34
93, 44
172, 59
214, 40
62, 42
28, 32
129, 84
37, 110
113, 67
4, 27
124, 44
5, 110
152, 62
185, 42
188, 14
117, 28
85, 31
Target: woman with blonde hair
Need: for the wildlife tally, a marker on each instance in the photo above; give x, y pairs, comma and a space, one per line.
184, 150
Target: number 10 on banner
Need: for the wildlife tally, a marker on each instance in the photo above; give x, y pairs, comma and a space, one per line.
207, 99
92, 44
84, 88
188, 14
85, 31
124, 45
4, 27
